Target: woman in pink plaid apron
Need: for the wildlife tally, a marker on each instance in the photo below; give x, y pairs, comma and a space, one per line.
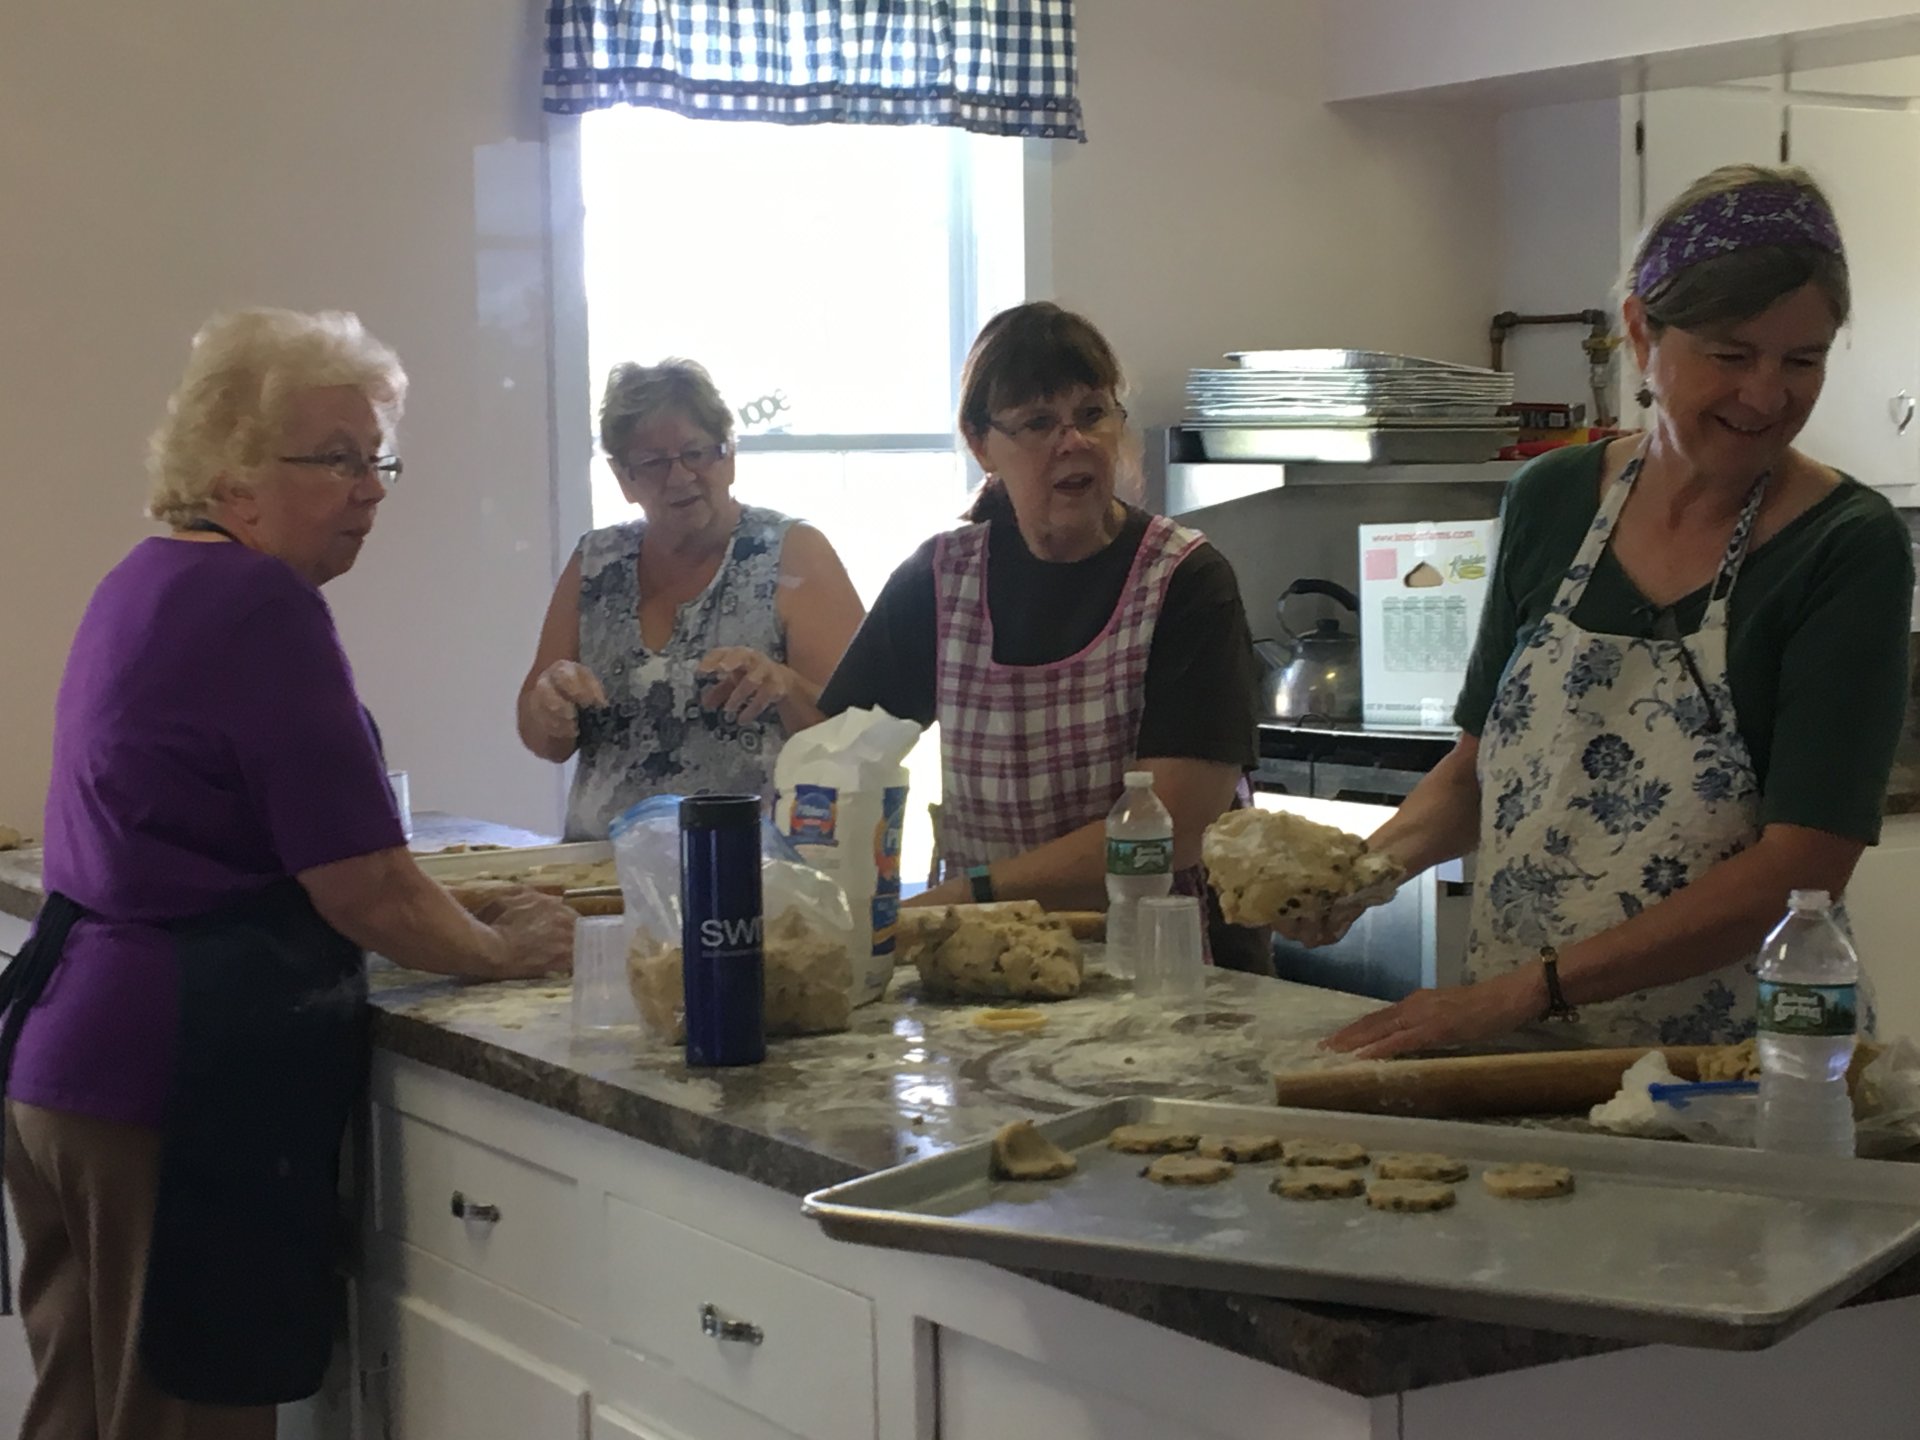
1060, 639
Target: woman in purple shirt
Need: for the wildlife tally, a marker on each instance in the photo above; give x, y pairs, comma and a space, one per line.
185, 1030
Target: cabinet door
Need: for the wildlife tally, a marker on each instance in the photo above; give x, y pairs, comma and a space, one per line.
1686, 133
1689, 132
610, 1424
1868, 161
448, 1380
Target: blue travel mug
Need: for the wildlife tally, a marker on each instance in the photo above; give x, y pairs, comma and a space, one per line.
721, 928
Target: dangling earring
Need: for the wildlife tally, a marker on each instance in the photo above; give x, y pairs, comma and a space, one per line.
1645, 396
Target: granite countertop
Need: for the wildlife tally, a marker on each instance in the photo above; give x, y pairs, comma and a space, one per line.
913, 1078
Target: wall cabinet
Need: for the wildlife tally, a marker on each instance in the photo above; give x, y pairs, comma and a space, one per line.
1867, 157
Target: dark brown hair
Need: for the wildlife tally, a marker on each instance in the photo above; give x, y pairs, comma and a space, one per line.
1028, 353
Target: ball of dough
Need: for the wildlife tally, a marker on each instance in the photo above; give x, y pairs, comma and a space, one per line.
1271, 866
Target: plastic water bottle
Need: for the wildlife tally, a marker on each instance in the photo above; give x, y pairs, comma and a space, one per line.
1139, 863
1809, 1012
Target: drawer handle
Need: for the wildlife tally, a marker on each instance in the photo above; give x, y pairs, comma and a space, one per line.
714, 1328
465, 1209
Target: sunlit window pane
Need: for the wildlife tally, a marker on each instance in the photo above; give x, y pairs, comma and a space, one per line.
808, 262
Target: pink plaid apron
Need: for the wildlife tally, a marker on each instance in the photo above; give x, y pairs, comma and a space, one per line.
1029, 753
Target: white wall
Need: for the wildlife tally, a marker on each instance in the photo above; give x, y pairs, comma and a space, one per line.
1560, 225
1384, 47
1220, 205
383, 158
389, 159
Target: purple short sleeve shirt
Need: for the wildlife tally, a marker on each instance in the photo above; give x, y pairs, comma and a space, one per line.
207, 742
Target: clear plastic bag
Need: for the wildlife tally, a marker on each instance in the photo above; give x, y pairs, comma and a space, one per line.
811, 987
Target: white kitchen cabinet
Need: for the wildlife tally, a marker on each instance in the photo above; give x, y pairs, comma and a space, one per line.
611, 1424
1882, 907
1867, 157
1868, 161
771, 1339
1686, 133
438, 1377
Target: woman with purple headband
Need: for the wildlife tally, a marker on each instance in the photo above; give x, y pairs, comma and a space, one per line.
1691, 671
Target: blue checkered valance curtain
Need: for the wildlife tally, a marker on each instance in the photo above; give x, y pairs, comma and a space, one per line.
1001, 68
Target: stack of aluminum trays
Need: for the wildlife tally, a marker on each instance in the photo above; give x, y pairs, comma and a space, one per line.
1363, 405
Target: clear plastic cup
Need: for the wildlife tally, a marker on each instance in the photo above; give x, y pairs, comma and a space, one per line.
402, 800
601, 999
1169, 963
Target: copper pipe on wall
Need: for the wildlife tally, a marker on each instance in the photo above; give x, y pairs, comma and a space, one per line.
1599, 346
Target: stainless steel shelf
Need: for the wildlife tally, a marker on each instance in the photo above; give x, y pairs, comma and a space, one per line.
1196, 485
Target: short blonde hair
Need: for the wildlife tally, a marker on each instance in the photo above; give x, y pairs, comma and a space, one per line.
244, 367
637, 394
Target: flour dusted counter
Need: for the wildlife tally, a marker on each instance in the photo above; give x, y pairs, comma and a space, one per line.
575, 1237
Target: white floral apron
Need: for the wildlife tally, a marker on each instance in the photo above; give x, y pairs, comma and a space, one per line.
1612, 774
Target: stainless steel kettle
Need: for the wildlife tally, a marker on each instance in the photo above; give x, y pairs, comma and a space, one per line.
1315, 675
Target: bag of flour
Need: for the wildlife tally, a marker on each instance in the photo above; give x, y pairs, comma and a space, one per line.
840, 799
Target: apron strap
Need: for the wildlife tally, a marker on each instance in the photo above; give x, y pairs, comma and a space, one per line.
21, 985
1600, 534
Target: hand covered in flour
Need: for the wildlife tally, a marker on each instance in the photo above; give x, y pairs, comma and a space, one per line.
743, 684
564, 689
535, 930
1326, 927
1452, 1015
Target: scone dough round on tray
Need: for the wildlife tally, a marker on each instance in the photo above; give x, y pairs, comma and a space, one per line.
1342, 1154
1152, 1139
1528, 1181
1245, 1149
1020, 1152
1419, 1167
1408, 1195
1318, 1182
1188, 1170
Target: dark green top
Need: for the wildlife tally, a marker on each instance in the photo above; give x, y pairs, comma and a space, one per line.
1817, 648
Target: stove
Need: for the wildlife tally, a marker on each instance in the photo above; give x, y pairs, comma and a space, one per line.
1328, 760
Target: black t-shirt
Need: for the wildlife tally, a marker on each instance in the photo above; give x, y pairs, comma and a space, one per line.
1202, 685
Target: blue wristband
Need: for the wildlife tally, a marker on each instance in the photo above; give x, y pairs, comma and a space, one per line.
982, 883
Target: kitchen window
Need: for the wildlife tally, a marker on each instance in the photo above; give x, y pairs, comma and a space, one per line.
831, 277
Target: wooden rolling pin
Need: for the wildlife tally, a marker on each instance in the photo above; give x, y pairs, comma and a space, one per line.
1549, 1082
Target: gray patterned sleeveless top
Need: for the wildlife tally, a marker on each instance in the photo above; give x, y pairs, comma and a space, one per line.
655, 738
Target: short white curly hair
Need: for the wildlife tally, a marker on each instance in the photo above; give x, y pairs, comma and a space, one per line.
226, 415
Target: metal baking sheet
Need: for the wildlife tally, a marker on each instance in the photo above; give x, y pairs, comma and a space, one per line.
1324, 359
1661, 1241
466, 864
1361, 443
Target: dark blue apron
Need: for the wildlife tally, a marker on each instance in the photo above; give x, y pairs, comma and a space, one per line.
243, 1289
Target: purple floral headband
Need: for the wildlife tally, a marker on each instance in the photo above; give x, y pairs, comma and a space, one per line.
1766, 213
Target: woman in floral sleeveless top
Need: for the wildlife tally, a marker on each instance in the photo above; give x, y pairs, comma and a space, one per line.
681, 649
1689, 680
